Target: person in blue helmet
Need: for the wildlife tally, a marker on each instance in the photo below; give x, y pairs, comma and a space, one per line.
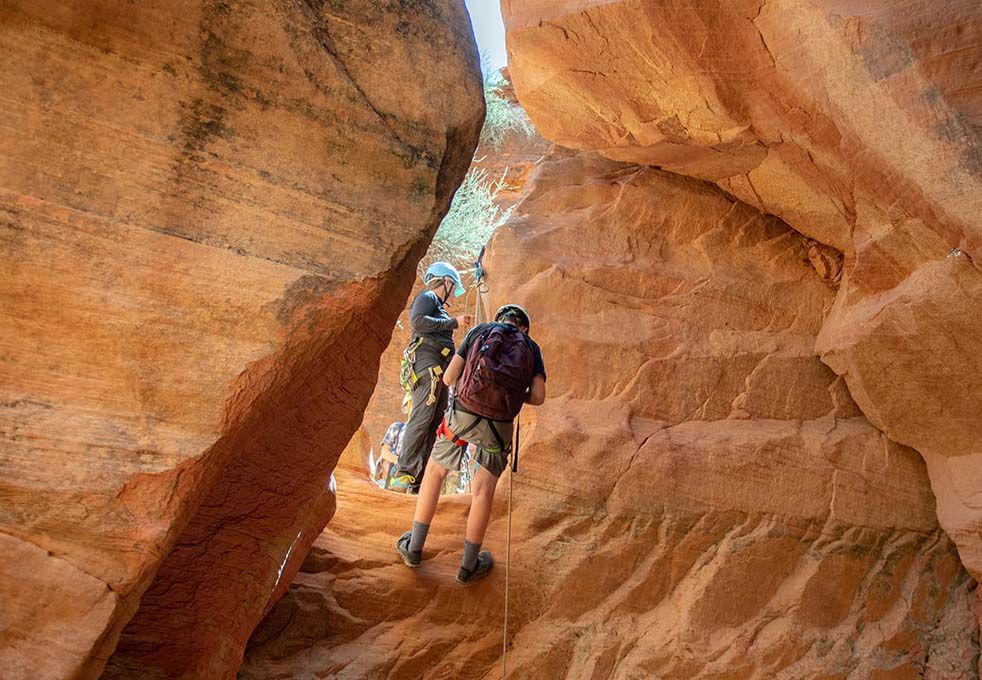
425, 359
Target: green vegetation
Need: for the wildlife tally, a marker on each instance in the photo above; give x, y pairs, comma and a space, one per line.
474, 215
503, 117
472, 218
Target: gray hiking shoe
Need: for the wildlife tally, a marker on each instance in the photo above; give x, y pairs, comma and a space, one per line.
412, 558
480, 570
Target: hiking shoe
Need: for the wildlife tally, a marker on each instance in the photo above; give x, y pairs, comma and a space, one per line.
481, 569
403, 483
412, 558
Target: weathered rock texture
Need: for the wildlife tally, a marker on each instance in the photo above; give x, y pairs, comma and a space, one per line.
210, 213
859, 124
700, 498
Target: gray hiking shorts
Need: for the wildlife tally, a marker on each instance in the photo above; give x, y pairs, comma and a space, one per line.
487, 451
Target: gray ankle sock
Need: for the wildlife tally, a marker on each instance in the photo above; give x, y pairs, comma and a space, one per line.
419, 536
471, 551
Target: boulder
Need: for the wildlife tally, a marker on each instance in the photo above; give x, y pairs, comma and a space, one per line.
210, 213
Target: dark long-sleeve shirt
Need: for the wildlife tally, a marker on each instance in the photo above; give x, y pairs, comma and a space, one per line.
430, 320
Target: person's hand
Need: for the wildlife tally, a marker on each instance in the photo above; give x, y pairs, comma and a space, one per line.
464, 320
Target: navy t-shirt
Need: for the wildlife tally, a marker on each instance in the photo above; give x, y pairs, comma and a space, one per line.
538, 367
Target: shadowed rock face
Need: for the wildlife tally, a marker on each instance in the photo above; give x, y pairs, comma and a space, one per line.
859, 124
699, 498
210, 214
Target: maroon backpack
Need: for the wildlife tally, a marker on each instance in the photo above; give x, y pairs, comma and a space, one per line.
497, 373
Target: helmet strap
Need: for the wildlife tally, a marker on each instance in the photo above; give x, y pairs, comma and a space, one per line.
447, 289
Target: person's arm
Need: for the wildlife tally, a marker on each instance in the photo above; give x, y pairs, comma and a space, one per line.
422, 316
453, 371
456, 366
537, 391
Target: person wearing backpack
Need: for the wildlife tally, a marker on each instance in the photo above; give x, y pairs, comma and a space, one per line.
497, 369
424, 361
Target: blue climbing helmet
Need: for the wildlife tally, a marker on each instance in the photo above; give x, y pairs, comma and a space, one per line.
439, 270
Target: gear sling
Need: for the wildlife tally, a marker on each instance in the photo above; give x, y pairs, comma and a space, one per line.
407, 374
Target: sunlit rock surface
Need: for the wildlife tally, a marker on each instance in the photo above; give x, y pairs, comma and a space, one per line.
210, 215
699, 498
859, 124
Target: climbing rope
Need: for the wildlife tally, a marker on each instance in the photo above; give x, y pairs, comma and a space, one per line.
511, 477
477, 302
480, 289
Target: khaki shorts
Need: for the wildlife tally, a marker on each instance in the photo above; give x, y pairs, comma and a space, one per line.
487, 451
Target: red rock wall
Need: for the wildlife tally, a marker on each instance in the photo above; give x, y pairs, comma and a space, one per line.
858, 124
698, 498
210, 214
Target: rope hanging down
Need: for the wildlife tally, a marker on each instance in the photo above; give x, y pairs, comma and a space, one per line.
511, 477
480, 288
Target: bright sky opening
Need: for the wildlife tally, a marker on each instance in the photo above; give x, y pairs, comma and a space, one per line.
489, 31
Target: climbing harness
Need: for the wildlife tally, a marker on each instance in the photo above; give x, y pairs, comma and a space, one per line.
457, 438
511, 477
408, 377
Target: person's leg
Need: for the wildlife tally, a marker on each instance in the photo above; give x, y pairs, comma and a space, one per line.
410, 544
491, 454
429, 492
417, 436
441, 392
482, 498
476, 563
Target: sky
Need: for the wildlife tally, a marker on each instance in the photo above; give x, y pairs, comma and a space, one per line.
489, 31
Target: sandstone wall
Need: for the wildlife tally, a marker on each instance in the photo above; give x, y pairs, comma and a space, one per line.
858, 124
210, 213
699, 498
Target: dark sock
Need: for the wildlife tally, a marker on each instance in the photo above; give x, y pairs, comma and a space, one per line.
419, 537
471, 551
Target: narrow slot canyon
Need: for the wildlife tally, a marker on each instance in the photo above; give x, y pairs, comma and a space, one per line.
747, 235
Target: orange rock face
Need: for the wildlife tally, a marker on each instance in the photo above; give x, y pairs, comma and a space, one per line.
805, 109
857, 125
210, 214
699, 498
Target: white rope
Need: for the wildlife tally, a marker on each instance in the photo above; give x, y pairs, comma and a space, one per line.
480, 288
504, 635
511, 477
